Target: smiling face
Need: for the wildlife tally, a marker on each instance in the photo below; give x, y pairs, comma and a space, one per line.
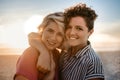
52, 35
77, 32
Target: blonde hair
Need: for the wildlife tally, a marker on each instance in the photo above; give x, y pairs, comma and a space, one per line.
57, 17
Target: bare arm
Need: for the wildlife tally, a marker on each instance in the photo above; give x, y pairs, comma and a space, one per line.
35, 41
20, 77
97, 79
43, 63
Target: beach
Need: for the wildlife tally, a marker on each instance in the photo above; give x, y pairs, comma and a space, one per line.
7, 66
111, 63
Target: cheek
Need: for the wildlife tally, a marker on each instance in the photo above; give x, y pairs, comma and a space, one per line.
85, 37
60, 39
67, 33
44, 36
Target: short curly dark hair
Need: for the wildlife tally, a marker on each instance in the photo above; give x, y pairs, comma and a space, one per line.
81, 10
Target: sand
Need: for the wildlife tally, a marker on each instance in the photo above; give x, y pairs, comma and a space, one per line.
111, 63
7, 66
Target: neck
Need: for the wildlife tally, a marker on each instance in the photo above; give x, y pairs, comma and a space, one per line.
75, 49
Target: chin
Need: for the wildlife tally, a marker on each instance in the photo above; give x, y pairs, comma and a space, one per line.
72, 45
51, 48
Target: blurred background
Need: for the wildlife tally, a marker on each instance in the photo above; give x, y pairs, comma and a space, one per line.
20, 17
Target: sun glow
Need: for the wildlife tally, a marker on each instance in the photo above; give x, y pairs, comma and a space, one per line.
32, 23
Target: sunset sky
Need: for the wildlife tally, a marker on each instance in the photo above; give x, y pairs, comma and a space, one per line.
19, 17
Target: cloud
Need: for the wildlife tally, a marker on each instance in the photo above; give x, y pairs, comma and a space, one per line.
12, 33
109, 28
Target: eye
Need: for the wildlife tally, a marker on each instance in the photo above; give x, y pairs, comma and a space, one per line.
50, 30
69, 27
60, 34
78, 28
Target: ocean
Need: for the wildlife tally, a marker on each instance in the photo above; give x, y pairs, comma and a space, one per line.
110, 59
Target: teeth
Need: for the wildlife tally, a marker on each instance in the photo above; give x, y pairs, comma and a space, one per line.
72, 38
51, 43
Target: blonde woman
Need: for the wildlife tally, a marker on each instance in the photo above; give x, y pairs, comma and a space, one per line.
41, 64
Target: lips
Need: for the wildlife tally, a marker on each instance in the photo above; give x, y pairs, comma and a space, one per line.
51, 43
73, 38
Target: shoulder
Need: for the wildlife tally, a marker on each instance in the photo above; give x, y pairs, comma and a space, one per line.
92, 54
92, 57
29, 54
27, 64
30, 51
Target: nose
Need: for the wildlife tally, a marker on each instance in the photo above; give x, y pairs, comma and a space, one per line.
53, 37
72, 32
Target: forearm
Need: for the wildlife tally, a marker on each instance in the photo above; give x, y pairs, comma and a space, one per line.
43, 63
35, 41
97, 79
44, 55
20, 77
40, 47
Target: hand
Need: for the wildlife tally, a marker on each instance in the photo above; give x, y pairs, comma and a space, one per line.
33, 35
36, 42
65, 46
33, 38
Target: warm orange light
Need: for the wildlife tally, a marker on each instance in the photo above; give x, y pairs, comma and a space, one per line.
32, 23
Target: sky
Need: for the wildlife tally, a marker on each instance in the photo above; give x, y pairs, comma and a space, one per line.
19, 17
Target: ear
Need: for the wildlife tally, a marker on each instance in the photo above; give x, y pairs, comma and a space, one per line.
91, 31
